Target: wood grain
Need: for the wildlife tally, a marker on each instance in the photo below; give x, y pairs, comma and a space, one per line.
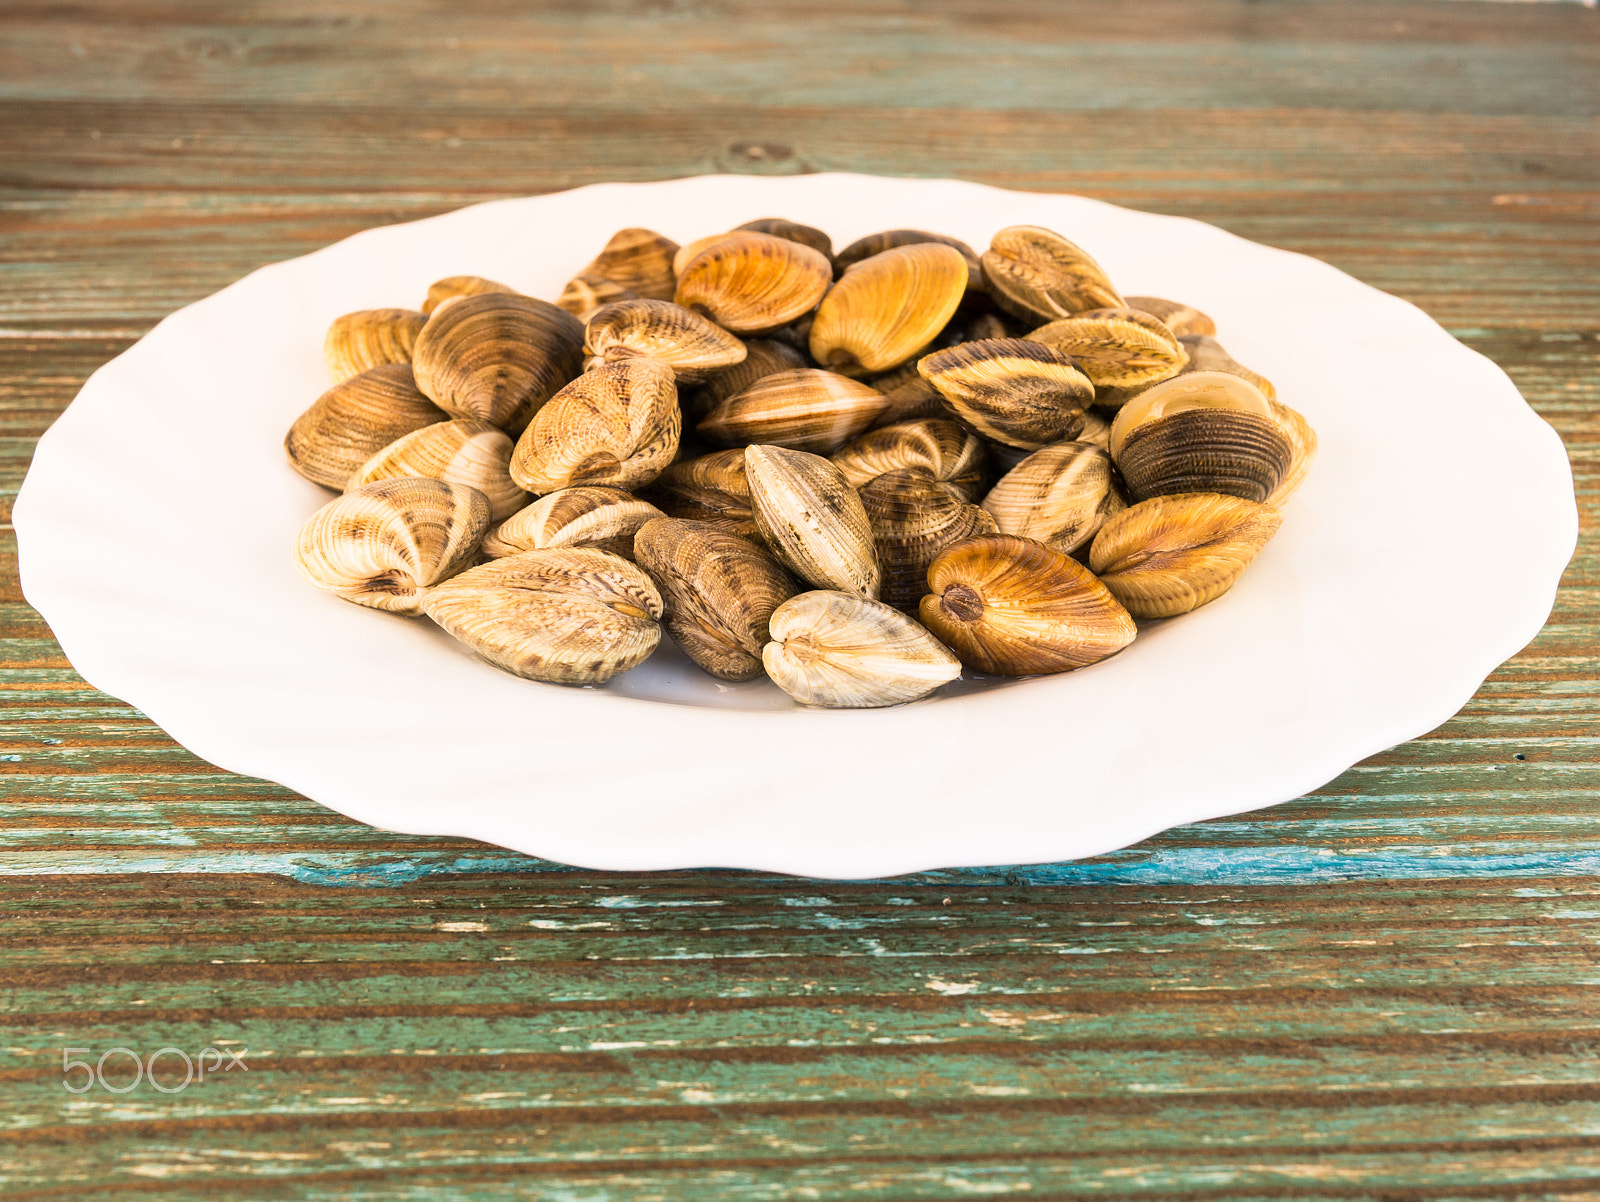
1384, 990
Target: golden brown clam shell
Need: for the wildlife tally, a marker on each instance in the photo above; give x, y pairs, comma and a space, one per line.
651, 329
1116, 348
876, 244
887, 308
750, 283
807, 409
353, 421
1021, 393
1181, 319
763, 357
453, 287
634, 262
370, 338
1059, 495
711, 489
587, 515
778, 227
1036, 274
462, 451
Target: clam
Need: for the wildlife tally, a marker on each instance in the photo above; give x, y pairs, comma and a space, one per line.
909, 395
1204, 432
807, 409
812, 519
584, 516
842, 651
913, 519
635, 262
1059, 495
712, 489
1037, 275
887, 308
567, 615
384, 545
661, 330
951, 454
1171, 554
466, 452
1116, 348
1207, 354
370, 338
719, 590
749, 282
1181, 319
1015, 607
1021, 393
876, 244
778, 227
453, 287
1302, 450
497, 356
763, 357
617, 425
355, 420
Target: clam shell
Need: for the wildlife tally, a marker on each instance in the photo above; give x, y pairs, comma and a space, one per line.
1207, 354
913, 519
1036, 274
712, 489
466, 452
617, 425
719, 589
1015, 607
1189, 390
876, 244
1180, 318
778, 227
1021, 393
585, 516
1205, 450
946, 450
1302, 450
1059, 495
888, 307
568, 615
635, 262
689, 250
812, 519
1168, 555
763, 357
370, 338
385, 544
453, 287
667, 333
1116, 348
910, 396
585, 293
750, 282
842, 651
805, 409
355, 420
497, 357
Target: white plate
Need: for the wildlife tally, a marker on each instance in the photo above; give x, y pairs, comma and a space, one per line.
156, 523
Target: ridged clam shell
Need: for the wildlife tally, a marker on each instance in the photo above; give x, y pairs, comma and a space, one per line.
1038, 275
687, 253
888, 307
466, 452
719, 589
1021, 393
812, 519
1168, 555
909, 396
1116, 348
568, 615
841, 651
585, 516
1205, 450
763, 357
711, 489
1188, 390
370, 338
635, 261
665, 332
749, 283
1302, 450
1207, 354
1180, 318
913, 519
385, 544
617, 425
453, 287
1059, 495
806, 409
876, 244
1015, 607
497, 356
779, 227
950, 453
353, 421
584, 294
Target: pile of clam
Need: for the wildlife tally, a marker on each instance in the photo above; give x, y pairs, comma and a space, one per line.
929, 458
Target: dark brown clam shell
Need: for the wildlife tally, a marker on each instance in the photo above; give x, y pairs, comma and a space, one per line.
1205, 451
913, 519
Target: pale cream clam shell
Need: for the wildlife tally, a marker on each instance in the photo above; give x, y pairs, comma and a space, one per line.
844, 651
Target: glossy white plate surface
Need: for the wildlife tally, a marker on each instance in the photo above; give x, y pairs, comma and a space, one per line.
156, 522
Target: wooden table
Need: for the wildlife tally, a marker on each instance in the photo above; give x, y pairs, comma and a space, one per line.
1383, 990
